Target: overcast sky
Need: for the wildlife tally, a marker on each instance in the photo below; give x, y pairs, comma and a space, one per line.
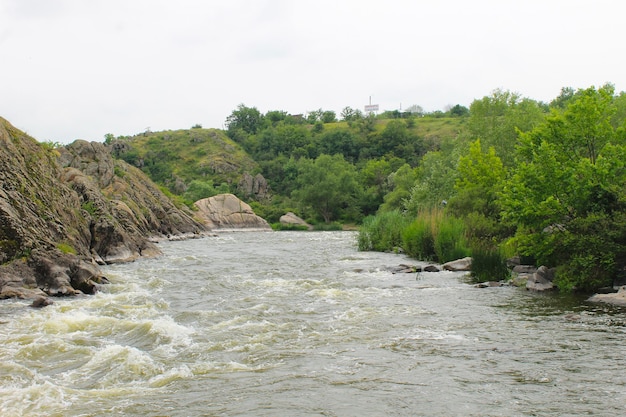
78, 69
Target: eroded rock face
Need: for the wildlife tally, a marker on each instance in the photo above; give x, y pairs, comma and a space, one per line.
64, 210
227, 212
255, 187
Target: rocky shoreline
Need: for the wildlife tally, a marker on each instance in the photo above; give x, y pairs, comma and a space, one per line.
530, 277
64, 211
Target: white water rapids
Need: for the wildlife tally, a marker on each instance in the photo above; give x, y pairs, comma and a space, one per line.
302, 324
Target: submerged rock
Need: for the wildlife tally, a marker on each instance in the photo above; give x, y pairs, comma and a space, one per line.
489, 284
431, 268
40, 302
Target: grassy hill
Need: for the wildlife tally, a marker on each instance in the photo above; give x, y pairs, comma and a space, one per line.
174, 158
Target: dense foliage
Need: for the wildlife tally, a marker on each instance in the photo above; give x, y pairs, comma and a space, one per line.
340, 170
543, 181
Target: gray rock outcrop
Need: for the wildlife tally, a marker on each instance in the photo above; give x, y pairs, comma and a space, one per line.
227, 212
255, 187
290, 219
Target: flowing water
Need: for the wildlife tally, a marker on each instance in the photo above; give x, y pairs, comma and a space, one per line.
302, 324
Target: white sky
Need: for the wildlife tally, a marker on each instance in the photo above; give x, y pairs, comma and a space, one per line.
78, 69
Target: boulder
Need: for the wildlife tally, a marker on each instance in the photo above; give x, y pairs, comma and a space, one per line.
541, 280
464, 264
41, 301
290, 219
524, 269
617, 298
431, 268
227, 212
405, 269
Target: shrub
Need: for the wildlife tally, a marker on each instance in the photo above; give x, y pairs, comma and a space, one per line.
327, 226
90, 207
450, 243
289, 227
435, 236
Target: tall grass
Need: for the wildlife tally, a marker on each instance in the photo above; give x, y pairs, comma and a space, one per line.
488, 263
436, 236
450, 241
418, 239
431, 236
382, 232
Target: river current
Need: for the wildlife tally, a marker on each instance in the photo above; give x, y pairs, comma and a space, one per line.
302, 324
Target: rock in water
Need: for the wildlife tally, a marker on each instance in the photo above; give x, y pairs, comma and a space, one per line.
227, 212
617, 298
290, 219
464, 264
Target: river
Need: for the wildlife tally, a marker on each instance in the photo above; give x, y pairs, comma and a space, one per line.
302, 324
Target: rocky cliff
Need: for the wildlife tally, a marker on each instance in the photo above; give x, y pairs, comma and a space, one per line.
62, 211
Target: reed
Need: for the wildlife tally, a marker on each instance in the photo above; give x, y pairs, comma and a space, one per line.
436, 236
488, 263
382, 232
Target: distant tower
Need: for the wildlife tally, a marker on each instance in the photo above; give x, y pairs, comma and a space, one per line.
371, 108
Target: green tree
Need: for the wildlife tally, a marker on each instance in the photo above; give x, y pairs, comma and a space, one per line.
436, 176
349, 114
246, 119
480, 179
478, 186
566, 95
340, 141
400, 182
375, 179
567, 193
497, 119
328, 187
314, 116
329, 116
459, 111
